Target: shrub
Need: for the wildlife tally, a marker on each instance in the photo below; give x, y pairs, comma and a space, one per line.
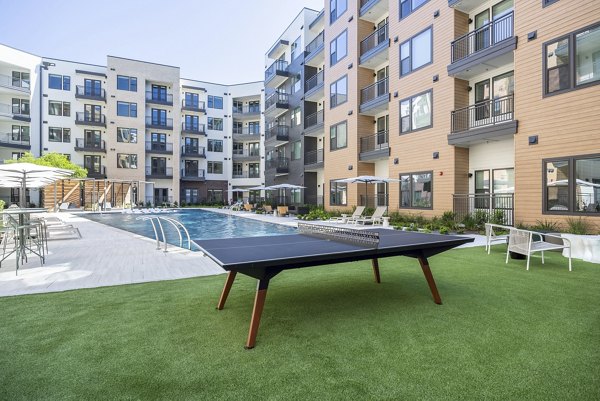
577, 226
444, 230
148, 204
497, 217
2, 204
448, 218
547, 225
469, 222
480, 217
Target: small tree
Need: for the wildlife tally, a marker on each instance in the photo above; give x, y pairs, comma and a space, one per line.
52, 160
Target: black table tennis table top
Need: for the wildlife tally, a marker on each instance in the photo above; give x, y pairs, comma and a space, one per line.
300, 250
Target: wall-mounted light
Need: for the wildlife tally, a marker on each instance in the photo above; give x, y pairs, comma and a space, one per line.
396, 94
531, 36
396, 161
436, 78
350, 66
469, 88
436, 13
350, 167
396, 39
436, 155
350, 112
470, 175
533, 140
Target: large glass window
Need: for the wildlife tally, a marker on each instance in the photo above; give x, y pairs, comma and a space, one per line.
126, 83
56, 134
215, 145
215, 102
127, 109
416, 190
336, 8
338, 136
296, 48
572, 185
192, 100
62, 82
415, 113
215, 167
126, 160
338, 195
215, 123
20, 133
416, 52
296, 117
338, 92
407, 7
56, 108
296, 150
338, 48
127, 135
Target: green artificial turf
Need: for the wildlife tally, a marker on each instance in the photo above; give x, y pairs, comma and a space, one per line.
327, 332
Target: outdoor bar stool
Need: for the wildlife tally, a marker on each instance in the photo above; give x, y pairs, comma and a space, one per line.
43, 232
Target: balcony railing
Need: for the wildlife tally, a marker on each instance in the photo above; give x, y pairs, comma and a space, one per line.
166, 172
246, 152
314, 157
193, 173
281, 132
373, 40
278, 65
193, 151
315, 44
247, 109
374, 91
498, 208
249, 130
162, 98
245, 174
313, 119
164, 123
193, 128
17, 84
89, 118
281, 164
159, 146
488, 112
379, 141
314, 81
194, 106
277, 98
14, 139
482, 38
90, 93
87, 145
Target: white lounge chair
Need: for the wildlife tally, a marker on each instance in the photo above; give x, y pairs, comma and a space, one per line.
527, 242
491, 235
375, 218
357, 213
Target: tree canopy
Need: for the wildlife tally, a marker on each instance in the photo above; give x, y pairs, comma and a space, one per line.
52, 159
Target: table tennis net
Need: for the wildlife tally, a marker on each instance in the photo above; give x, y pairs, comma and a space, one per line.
361, 237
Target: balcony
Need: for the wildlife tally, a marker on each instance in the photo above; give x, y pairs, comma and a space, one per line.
314, 51
483, 49
193, 174
198, 107
99, 172
489, 205
374, 48
95, 120
375, 147
197, 129
15, 85
246, 154
314, 88
276, 74
483, 121
159, 172
245, 174
313, 160
249, 133
278, 133
165, 148
281, 165
276, 104
246, 111
373, 10
165, 99
313, 123
86, 93
375, 98
193, 151
83, 145
14, 141
159, 123
15, 112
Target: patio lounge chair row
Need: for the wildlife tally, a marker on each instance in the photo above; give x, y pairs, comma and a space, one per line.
358, 218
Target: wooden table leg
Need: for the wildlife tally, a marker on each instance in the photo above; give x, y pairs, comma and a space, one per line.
259, 303
228, 283
375, 263
430, 280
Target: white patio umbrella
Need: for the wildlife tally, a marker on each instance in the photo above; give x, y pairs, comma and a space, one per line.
28, 175
284, 186
367, 179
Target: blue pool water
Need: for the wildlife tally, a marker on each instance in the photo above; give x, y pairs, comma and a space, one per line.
201, 224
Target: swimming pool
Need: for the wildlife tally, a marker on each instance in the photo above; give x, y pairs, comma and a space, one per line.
201, 224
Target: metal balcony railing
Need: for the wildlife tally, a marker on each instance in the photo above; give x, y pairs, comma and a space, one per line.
482, 38
277, 98
314, 119
159, 122
193, 105
249, 130
488, 112
196, 128
159, 171
246, 152
498, 208
373, 40
14, 83
193, 173
374, 91
83, 117
247, 109
87, 92
159, 146
281, 132
193, 151
159, 97
314, 157
314, 81
315, 44
14, 139
278, 65
83, 144
245, 174
282, 164
371, 143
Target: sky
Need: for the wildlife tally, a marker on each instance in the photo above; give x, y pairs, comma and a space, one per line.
221, 41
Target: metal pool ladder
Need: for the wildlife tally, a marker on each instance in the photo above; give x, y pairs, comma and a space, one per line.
157, 221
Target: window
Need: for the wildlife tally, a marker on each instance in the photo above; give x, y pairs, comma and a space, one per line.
338, 48
92, 163
415, 113
254, 127
416, 52
215, 123
254, 149
192, 100
191, 196
296, 83
92, 113
296, 150
215, 145
296, 117
416, 190
92, 87
548, 2
254, 170
126, 109
338, 136
159, 93
254, 106
20, 106
17, 155
61, 82
126, 160
338, 194
20, 133
215, 167
56, 108
127, 135
338, 92
336, 8
296, 49
215, 102
125, 83
56, 134
572, 185
215, 196
21, 79
407, 7
238, 148
573, 61
191, 123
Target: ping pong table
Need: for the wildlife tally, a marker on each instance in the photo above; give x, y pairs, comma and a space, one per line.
264, 257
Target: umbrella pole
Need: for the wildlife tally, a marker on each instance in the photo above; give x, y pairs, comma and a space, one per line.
22, 192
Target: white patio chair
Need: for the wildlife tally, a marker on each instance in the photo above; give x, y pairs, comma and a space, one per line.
491, 235
524, 243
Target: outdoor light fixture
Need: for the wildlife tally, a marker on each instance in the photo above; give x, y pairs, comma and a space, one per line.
533, 140
396, 161
531, 36
436, 155
350, 167
436, 78
436, 13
